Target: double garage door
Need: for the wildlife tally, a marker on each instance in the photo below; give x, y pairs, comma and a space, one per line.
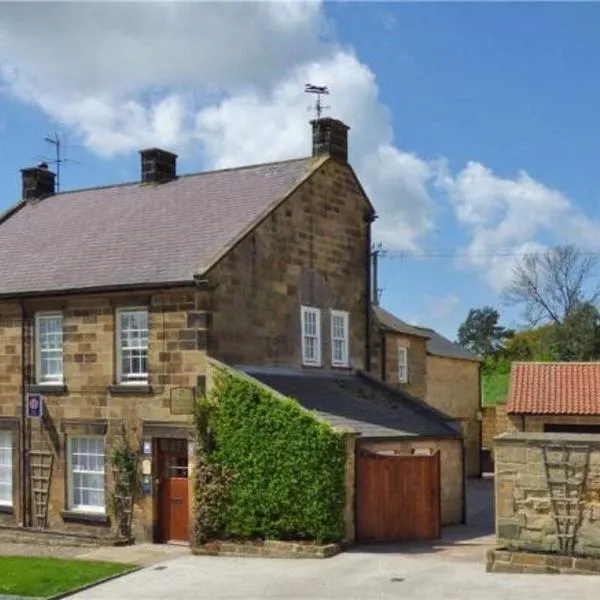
398, 497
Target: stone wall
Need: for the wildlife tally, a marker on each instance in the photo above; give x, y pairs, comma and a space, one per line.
534, 506
495, 421
311, 250
451, 467
535, 423
90, 402
416, 351
453, 386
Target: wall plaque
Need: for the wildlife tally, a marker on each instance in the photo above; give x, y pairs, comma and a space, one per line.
182, 401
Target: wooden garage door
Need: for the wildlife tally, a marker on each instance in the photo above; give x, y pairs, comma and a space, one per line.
397, 497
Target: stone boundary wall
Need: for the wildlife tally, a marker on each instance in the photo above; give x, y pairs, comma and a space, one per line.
495, 421
268, 549
548, 493
505, 561
17, 535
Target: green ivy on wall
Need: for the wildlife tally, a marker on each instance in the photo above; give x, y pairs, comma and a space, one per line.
271, 470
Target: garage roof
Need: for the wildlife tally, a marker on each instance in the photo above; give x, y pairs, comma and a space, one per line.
359, 403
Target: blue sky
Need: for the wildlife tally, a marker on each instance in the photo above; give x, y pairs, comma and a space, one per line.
474, 125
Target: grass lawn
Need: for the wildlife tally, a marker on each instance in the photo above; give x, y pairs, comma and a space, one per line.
495, 388
31, 576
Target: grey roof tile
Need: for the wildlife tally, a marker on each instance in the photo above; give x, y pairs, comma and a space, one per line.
136, 234
358, 403
389, 321
438, 345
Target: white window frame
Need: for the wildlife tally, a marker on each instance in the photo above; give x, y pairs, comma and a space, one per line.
345, 316
40, 378
9, 436
316, 312
402, 364
82, 507
122, 378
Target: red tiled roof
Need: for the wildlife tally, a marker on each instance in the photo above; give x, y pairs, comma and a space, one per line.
555, 388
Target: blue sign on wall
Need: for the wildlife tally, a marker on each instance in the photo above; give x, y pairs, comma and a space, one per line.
34, 405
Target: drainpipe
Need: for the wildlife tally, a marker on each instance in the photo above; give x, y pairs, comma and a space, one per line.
383, 356
23, 435
464, 485
368, 218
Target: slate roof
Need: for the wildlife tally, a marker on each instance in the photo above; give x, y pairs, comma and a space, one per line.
390, 322
438, 345
359, 403
136, 234
554, 388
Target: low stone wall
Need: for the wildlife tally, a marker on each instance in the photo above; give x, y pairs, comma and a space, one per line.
269, 549
505, 561
548, 493
15, 535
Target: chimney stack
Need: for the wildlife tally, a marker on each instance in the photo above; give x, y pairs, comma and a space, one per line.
38, 182
158, 166
330, 138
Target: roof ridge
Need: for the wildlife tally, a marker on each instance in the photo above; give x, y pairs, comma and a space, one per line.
556, 362
183, 176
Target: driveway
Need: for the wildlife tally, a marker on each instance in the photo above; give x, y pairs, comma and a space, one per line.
453, 568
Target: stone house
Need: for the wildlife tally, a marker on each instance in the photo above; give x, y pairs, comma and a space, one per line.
553, 397
425, 364
113, 300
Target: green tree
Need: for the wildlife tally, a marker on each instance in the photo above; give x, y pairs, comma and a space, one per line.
480, 332
553, 284
577, 338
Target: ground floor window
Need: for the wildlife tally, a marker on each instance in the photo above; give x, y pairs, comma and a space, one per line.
86, 474
6, 473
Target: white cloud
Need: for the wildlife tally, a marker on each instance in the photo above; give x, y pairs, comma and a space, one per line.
442, 307
506, 218
227, 77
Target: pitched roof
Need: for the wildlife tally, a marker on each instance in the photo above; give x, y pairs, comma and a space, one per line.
358, 403
554, 388
392, 323
438, 345
135, 234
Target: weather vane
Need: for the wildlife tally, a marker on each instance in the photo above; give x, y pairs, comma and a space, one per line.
318, 90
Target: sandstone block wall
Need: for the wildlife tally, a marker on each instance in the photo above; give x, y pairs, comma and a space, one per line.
90, 403
310, 251
535, 509
453, 386
416, 357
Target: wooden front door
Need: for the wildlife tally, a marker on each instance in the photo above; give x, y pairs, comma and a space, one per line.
398, 498
173, 503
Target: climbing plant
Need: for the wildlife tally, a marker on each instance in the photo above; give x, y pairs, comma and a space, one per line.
267, 468
125, 467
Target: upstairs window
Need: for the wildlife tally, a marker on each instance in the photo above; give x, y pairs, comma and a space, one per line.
339, 338
402, 365
132, 345
49, 348
311, 336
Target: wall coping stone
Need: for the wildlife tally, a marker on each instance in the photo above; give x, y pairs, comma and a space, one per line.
268, 549
530, 437
502, 560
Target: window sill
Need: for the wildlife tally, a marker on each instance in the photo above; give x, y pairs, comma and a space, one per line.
48, 388
130, 388
74, 516
6, 510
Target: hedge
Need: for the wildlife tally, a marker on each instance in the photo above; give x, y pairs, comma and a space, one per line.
286, 466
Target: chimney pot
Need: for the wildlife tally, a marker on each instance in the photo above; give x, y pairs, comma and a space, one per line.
38, 182
158, 166
330, 138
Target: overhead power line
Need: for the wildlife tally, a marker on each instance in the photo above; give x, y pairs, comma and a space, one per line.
462, 253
